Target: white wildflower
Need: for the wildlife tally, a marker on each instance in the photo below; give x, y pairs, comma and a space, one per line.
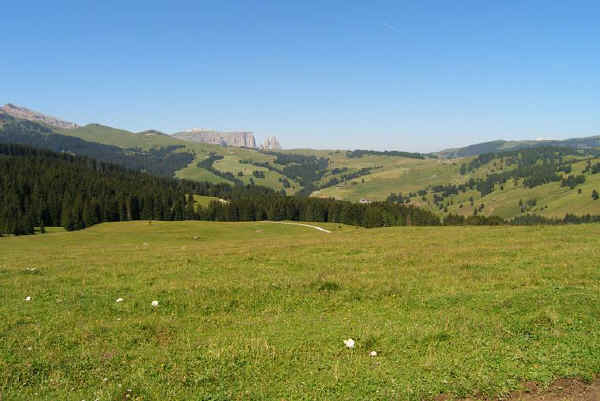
349, 343
28, 298
373, 353
119, 300
155, 303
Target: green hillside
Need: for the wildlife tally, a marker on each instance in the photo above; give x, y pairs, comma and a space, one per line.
230, 164
124, 139
345, 175
502, 146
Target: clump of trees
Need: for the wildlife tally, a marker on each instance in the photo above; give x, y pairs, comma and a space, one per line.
572, 181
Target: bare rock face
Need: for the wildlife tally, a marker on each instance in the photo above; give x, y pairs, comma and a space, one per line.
26, 114
240, 139
271, 143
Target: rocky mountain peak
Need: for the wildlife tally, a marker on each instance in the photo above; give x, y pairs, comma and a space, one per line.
271, 143
27, 114
243, 139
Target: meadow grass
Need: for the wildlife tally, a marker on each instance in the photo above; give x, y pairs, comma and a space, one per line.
260, 310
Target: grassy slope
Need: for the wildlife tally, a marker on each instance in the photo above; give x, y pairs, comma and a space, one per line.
259, 311
231, 163
397, 174
406, 175
125, 139
560, 200
192, 172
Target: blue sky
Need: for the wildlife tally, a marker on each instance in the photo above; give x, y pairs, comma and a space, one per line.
417, 76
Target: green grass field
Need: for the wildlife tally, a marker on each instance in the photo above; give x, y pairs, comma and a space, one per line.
260, 311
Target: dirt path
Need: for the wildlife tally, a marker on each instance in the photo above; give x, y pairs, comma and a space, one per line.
300, 224
560, 390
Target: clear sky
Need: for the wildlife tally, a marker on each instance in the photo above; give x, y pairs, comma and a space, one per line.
405, 75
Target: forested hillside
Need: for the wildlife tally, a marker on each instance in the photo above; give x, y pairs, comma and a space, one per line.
40, 188
548, 181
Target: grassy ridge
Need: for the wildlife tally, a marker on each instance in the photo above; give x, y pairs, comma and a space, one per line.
118, 137
259, 311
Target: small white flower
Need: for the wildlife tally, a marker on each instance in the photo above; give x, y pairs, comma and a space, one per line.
349, 343
28, 298
155, 303
119, 299
373, 353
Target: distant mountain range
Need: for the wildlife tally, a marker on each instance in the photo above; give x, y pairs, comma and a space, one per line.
502, 146
239, 139
246, 139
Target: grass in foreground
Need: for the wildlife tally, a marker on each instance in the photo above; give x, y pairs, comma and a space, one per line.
260, 310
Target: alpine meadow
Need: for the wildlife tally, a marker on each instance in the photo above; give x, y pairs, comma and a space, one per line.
297, 201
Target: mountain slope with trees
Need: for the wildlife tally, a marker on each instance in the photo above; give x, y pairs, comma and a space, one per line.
537, 184
40, 188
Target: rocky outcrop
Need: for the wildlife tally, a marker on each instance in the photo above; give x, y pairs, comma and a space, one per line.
271, 143
26, 114
240, 139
